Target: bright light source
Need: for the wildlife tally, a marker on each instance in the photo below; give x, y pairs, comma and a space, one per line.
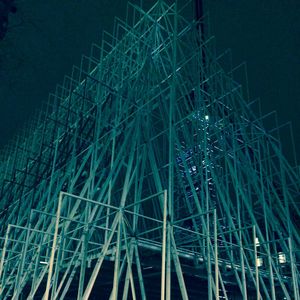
43, 263
257, 242
259, 261
281, 258
206, 117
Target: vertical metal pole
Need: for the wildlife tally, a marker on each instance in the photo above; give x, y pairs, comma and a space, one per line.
117, 263
83, 260
98, 265
207, 204
173, 96
273, 293
293, 269
209, 275
164, 240
178, 269
3, 257
21, 264
139, 270
266, 221
256, 264
35, 273
57, 268
216, 255
127, 277
51, 261
168, 267
110, 185
120, 274
129, 255
242, 263
72, 262
240, 244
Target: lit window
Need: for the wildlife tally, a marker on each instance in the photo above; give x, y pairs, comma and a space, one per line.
259, 261
281, 258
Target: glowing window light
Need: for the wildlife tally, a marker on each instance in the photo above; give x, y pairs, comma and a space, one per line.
281, 258
259, 261
257, 244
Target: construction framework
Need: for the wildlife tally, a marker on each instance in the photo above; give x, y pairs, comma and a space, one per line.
149, 174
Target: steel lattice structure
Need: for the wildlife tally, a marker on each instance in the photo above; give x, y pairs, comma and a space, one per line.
148, 175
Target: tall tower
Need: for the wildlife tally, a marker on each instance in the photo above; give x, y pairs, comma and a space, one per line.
149, 175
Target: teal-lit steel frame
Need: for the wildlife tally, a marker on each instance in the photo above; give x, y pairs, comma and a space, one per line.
149, 157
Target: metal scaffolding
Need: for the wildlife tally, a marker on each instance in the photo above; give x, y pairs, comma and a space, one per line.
149, 174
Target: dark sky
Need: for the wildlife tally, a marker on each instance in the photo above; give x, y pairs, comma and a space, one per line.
47, 37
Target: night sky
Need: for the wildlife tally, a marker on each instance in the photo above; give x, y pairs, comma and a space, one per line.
47, 37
